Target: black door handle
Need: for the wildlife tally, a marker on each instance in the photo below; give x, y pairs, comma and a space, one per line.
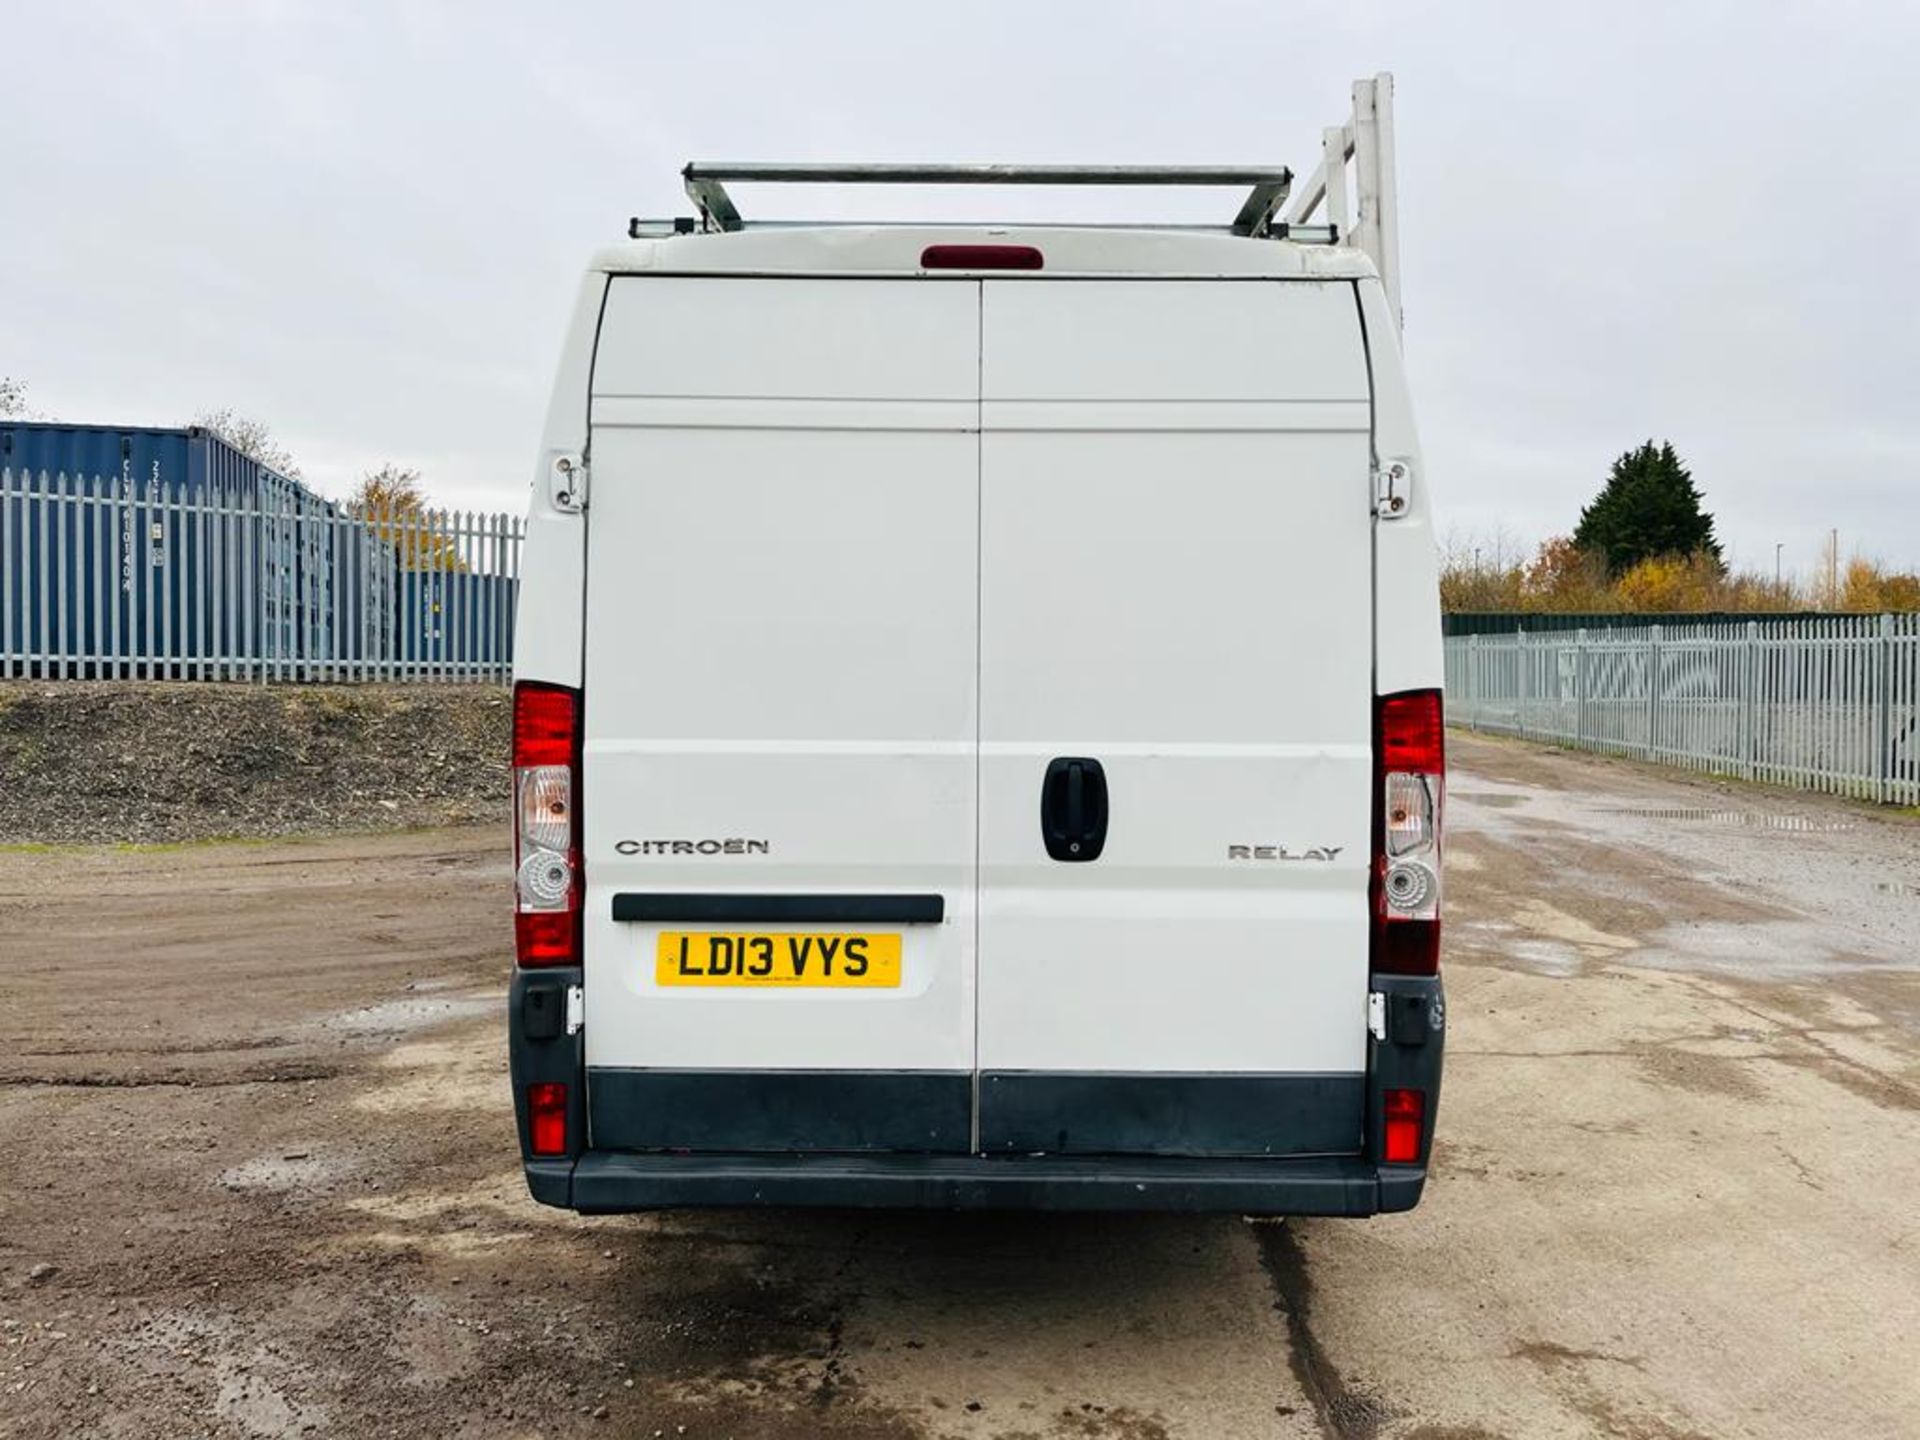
1073, 809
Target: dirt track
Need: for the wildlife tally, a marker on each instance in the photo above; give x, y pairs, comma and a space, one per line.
254, 1112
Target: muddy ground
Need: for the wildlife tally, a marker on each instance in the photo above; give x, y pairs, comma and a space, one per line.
260, 1179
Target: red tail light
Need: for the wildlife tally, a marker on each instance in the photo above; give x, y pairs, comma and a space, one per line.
546, 832
545, 723
1409, 785
547, 1117
981, 257
1406, 1117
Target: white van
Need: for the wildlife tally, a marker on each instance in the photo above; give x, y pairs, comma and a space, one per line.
977, 717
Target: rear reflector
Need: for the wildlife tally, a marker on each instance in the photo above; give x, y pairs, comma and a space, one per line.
981, 257
547, 1117
1406, 1114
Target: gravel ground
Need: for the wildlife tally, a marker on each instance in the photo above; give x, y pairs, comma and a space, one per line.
87, 763
260, 1176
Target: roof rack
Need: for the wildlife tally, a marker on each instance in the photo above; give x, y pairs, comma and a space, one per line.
717, 211
1366, 139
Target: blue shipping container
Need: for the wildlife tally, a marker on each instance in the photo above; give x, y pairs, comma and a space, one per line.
161, 549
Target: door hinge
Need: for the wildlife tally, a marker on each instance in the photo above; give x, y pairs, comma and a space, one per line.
576, 1009
1377, 1015
1392, 488
567, 483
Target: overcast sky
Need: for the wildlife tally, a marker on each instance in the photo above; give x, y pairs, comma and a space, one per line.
363, 223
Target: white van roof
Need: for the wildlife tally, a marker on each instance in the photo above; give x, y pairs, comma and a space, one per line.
896, 249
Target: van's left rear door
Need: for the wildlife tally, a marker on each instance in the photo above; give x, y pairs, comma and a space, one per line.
780, 715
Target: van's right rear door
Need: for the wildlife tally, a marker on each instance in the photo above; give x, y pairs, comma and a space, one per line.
1176, 550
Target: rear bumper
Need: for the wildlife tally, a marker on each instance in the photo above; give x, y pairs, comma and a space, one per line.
611, 1182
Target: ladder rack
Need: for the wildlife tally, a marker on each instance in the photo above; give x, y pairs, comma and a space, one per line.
1367, 140
1365, 216
717, 211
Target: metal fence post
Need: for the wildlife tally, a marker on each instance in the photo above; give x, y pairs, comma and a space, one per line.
1522, 681
1653, 691
1580, 735
1749, 699
1883, 712
1473, 683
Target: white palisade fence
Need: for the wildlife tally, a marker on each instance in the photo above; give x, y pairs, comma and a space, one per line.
111, 578
1827, 703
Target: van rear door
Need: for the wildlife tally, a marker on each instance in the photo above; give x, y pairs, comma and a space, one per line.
1176, 606
780, 723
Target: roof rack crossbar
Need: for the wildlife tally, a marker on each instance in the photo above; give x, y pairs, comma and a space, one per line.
705, 181
1272, 206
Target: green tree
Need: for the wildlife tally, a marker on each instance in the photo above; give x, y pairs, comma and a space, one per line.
1648, 509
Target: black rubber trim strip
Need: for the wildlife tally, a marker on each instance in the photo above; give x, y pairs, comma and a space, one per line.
813, 909
610, 1183
1117, 1113
780, 1110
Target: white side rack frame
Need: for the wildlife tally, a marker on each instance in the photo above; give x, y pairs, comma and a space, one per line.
1373, 226
1363, 213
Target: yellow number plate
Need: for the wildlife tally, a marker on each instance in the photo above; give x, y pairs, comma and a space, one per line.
711, 957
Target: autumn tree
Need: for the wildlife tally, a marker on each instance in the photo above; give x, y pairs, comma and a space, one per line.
390, 491
392, 502
1563, 577
1868, 587
251, 438
1648, 509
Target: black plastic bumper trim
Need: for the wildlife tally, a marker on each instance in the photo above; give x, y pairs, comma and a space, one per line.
813, 909
1026, 1112
780, 1110
612, 1183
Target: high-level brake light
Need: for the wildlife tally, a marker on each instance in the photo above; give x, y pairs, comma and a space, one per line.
1409, 784
546, 772
981, 257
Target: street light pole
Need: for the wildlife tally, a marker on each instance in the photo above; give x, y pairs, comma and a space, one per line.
1776, 563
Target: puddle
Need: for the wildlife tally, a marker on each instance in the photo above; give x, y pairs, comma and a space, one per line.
1745, 818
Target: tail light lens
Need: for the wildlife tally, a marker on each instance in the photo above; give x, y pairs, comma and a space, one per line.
546, 832
1409, 785
547, 1117
1406, 1117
